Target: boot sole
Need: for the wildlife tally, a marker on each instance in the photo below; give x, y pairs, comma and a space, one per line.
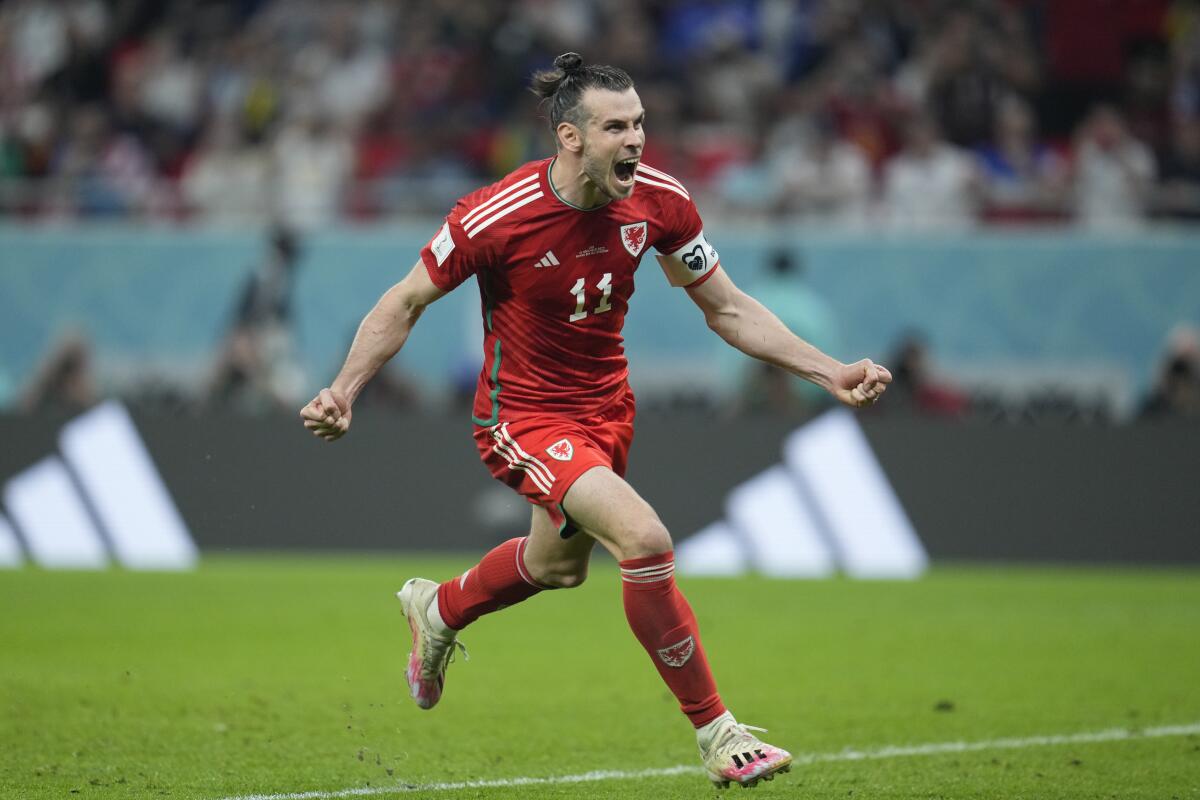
723, 783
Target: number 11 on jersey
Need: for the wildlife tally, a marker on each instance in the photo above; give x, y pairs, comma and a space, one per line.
578, 290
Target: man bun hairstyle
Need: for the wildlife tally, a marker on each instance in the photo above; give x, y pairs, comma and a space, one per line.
569, 63
562, 87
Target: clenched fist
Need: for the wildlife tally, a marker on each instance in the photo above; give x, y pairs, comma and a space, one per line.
327, 415
860, 384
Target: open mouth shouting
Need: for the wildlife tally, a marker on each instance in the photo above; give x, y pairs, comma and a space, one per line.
625, 170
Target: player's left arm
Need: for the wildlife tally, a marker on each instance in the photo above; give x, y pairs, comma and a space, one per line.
749, 326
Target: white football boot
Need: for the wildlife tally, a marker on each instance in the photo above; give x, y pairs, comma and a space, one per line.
432, 650
732, 754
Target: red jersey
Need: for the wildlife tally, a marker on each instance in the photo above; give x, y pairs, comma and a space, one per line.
555, 282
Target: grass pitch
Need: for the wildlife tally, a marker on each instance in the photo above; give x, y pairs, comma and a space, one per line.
268, 675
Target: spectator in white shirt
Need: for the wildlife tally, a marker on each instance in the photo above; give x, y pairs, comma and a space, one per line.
931, 184
312, 162
824, 179
1113, 172
226, 181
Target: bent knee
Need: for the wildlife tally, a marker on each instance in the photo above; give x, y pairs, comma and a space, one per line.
649, 538
561, 576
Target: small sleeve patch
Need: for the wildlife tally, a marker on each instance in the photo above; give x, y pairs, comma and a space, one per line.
442, 245
689, 263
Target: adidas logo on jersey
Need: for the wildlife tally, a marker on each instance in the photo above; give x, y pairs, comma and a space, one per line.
548, 260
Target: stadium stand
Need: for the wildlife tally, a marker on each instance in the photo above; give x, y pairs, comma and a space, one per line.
306, 112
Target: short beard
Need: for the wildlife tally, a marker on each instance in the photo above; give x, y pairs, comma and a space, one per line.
601, 177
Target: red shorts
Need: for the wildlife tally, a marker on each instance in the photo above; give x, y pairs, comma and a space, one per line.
542, 455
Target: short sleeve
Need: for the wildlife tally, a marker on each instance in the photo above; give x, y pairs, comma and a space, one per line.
685, 254
451, 257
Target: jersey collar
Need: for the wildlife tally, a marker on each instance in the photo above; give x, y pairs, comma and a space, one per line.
563, 200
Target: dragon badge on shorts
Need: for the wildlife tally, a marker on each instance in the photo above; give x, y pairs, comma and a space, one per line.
633, 238
561, 450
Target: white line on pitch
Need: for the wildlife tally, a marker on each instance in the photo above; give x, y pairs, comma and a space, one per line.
903, 751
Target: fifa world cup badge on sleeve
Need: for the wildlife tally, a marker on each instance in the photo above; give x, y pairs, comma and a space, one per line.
442, 244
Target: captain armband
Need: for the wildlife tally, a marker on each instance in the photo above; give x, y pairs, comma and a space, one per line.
689, 263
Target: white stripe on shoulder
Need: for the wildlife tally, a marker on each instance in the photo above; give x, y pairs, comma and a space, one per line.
492, 201
664, 185
503, 211
658, 173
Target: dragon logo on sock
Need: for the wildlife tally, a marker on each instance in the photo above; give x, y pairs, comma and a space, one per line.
678, 654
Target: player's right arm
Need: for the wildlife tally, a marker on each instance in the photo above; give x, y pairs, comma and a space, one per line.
380, 336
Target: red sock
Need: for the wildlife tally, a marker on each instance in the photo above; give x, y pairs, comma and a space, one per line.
664, 623
499, 579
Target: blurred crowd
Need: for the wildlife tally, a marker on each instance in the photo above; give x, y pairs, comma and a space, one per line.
288, 115
901, 113
925, 385
255, 369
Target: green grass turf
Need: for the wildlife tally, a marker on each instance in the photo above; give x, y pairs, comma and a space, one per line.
274, 674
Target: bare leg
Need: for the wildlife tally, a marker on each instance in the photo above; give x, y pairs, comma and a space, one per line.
553, 561
610, 510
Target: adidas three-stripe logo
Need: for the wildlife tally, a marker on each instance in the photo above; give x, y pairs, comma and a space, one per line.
548, 260
748, 758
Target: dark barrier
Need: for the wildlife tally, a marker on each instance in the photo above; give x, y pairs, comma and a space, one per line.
972, 491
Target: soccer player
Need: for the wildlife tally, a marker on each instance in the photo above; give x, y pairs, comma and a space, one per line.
554, 247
